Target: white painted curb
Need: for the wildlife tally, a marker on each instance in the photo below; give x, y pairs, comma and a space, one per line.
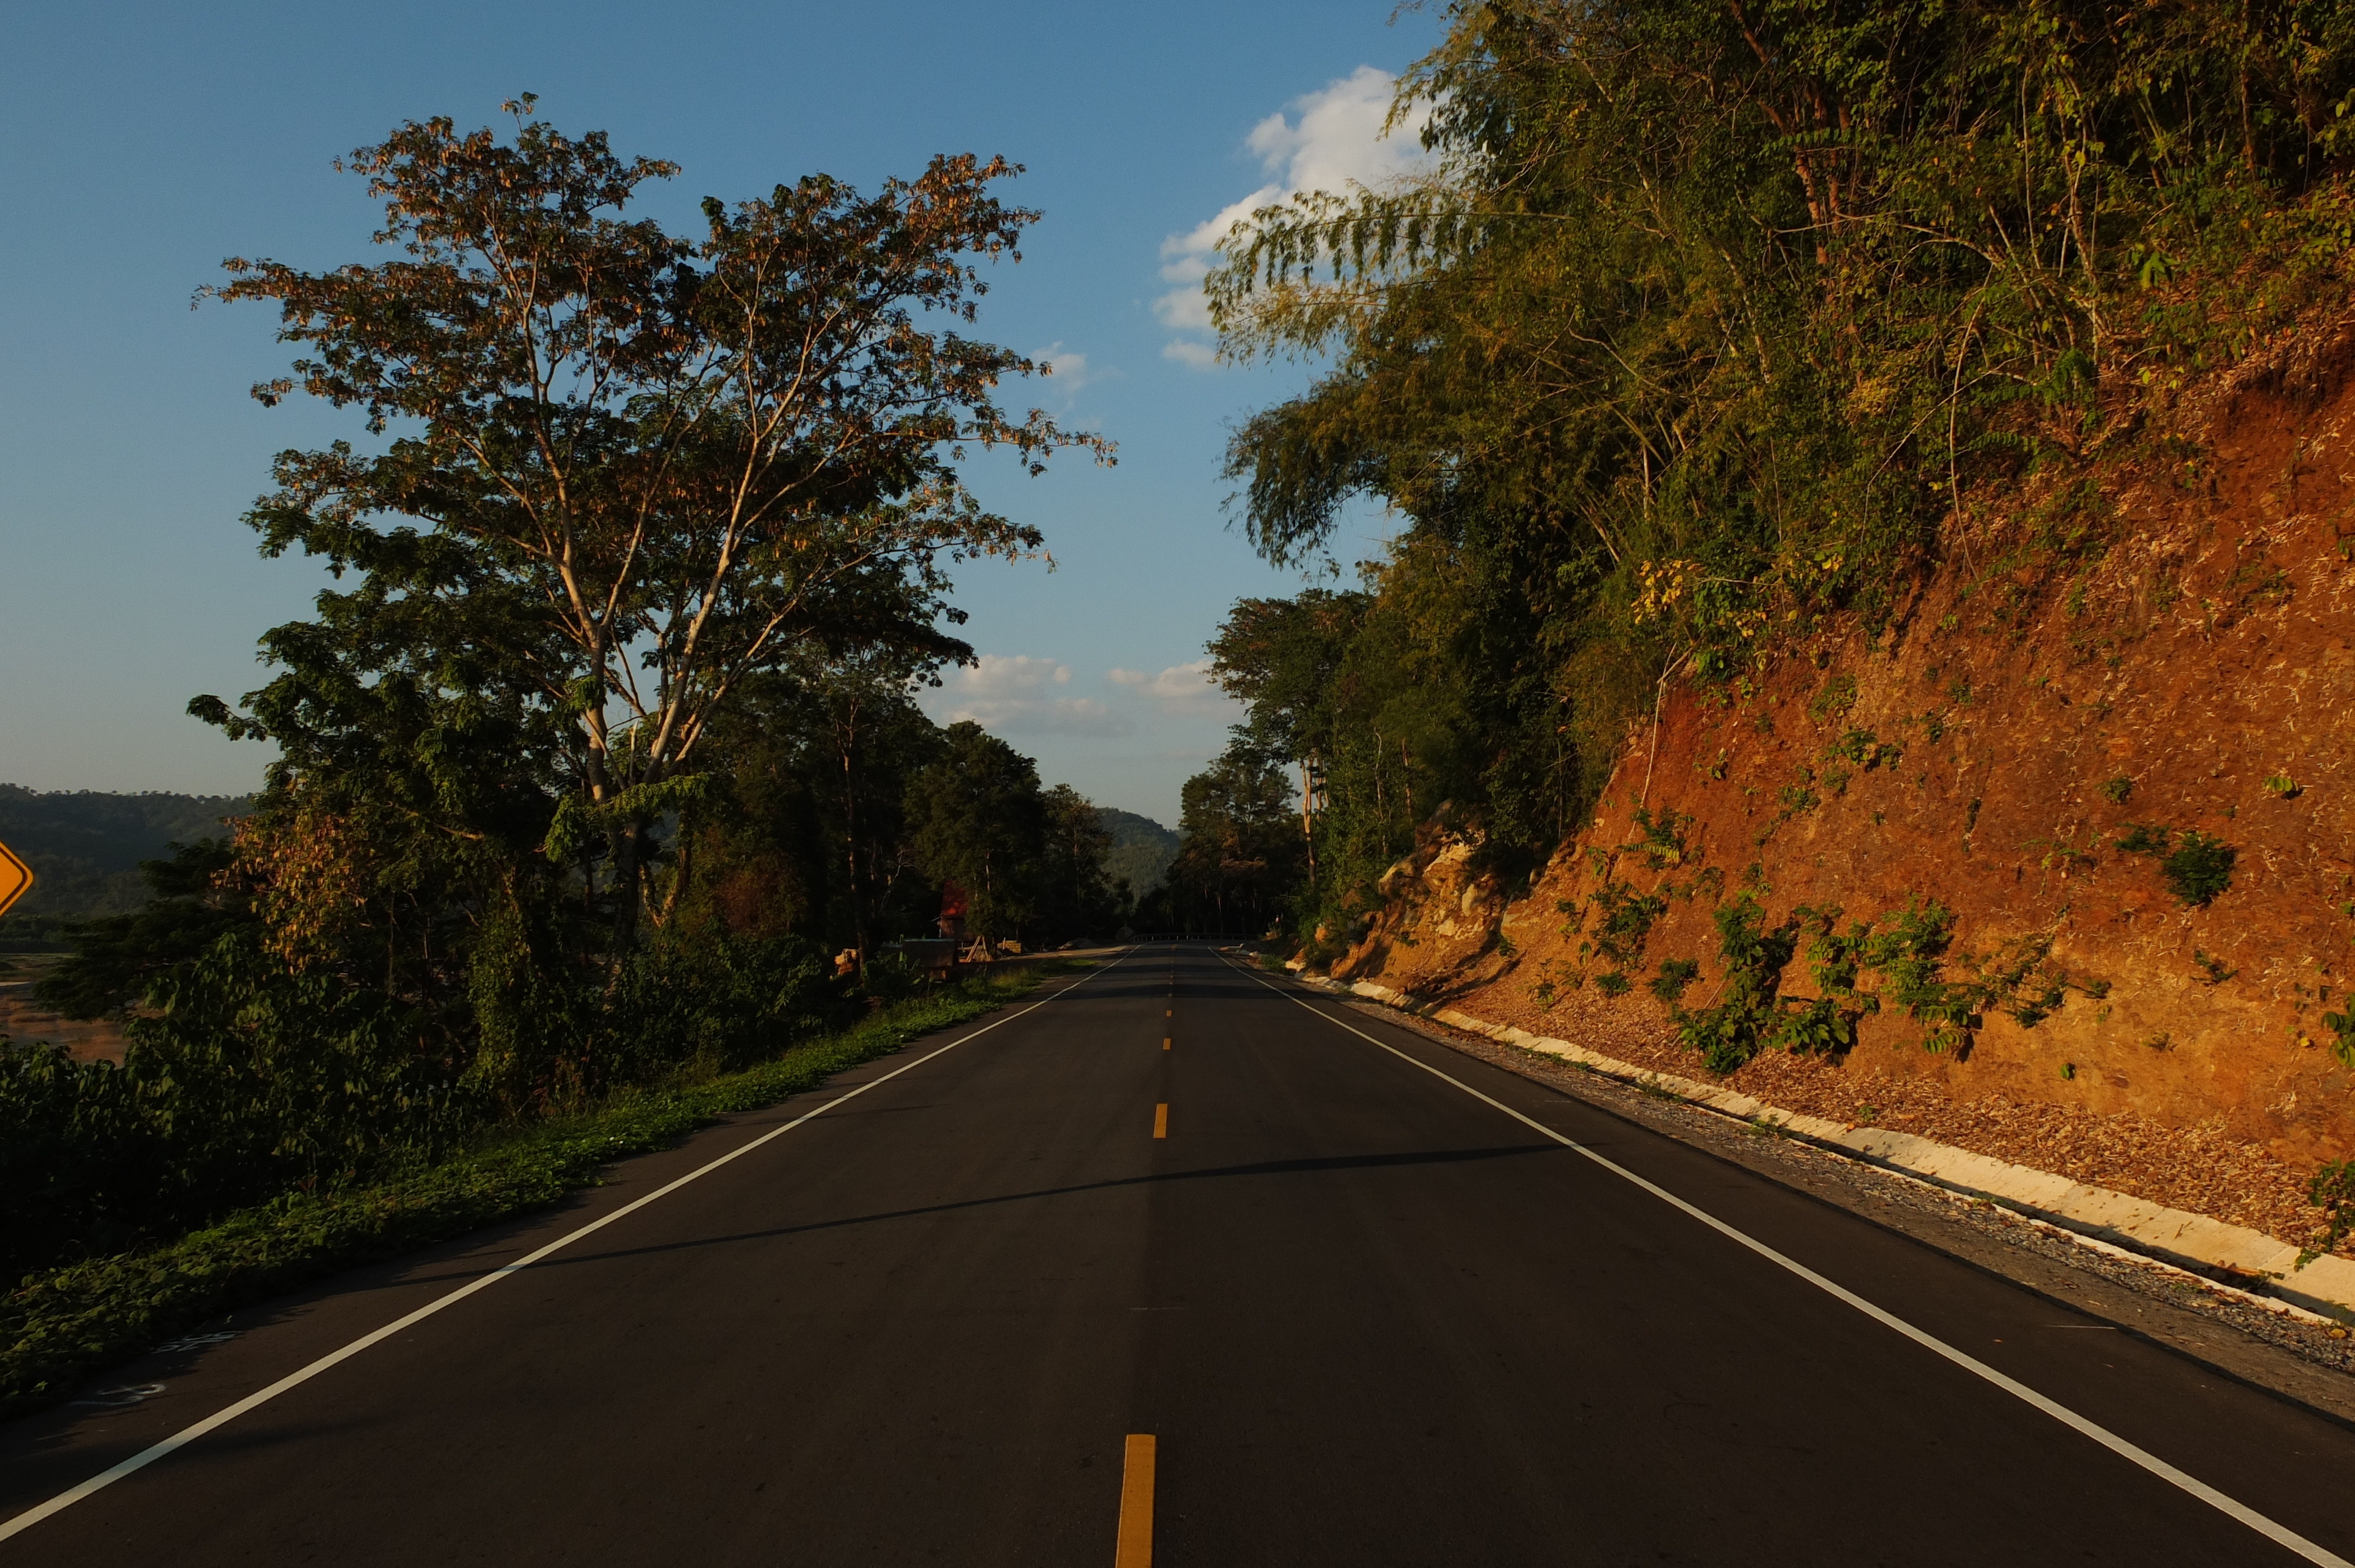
2326, 1285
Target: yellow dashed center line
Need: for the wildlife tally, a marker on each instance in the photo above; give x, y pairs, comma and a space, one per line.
1165, 1042
1161, 1119
1135, 1548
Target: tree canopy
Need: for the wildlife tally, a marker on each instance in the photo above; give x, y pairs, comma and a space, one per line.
1712, 319
622, 472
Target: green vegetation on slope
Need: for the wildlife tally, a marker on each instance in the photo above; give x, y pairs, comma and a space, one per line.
1141, 850
1707, 320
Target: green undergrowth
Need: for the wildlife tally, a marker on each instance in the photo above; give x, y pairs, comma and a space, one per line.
2333, 1192
1909, 952
62, 1325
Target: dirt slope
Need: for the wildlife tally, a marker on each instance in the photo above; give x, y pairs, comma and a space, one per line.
2026, 749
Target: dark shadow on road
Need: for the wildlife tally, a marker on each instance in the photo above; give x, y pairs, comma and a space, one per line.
1221, 1172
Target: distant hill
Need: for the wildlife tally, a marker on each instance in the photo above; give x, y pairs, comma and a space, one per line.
1142, 849
85, 847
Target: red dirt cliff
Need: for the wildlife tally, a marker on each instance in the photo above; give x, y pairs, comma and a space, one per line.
1993, 751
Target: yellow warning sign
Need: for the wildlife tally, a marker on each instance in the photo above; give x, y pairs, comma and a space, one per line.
16, 878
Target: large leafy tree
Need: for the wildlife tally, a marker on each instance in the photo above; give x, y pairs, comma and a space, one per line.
1283, 657
1076, 897
1242, 851
401, 849
808, 830
868, 737
1432, 684
976, 817
666, 462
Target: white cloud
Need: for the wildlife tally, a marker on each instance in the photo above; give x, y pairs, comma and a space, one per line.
1186, 352
1337, 140
1186, 261
1336, 143
1181, 688
1070, 369
1009, 674
1015, 695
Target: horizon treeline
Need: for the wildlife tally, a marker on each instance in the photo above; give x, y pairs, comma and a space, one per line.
1710, 323
85, 847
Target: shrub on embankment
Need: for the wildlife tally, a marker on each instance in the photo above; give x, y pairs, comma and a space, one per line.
63, 1323
251, 1081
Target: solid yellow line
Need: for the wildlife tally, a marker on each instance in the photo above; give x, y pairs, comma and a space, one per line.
1135, 1548
1161, 1119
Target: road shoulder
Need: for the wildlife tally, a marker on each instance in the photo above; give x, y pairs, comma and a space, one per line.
2293, 1359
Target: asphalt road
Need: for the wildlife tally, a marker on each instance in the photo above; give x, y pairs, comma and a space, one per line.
1366, 1317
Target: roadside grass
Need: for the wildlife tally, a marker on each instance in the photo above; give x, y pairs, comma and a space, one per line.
62, 1325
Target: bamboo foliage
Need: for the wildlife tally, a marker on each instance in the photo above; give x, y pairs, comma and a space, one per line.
1755, 287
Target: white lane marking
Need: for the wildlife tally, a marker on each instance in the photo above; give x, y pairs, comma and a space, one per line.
2151, 1462
220, 1418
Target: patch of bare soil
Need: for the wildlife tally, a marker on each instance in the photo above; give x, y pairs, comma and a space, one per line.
2149, 663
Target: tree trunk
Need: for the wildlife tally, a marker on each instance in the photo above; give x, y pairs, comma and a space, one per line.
1308, 818
629, 856
677, 892
850, 843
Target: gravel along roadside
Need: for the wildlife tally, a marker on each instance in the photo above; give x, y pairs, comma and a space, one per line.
2223, 1329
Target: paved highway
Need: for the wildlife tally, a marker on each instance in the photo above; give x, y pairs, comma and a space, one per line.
1184, 1265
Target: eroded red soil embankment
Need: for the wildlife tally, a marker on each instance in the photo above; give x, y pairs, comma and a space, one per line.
1994, 751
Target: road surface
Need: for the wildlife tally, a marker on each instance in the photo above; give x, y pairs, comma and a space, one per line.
1188, 1262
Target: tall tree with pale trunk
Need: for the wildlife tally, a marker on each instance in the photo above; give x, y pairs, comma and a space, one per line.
679, 459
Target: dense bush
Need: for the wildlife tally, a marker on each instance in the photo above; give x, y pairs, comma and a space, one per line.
250, 1081
78, 1157
713, 1004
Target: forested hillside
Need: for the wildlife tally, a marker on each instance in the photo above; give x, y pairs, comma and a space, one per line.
1141, 850
1790, 402
84, 846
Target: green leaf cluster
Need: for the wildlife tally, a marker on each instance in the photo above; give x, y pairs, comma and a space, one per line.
1909, 954
2196, 866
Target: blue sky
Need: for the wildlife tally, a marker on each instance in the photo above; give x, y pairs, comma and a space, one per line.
141, 145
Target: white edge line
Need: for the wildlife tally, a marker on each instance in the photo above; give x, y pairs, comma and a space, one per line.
220, 1418
2151, 1462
